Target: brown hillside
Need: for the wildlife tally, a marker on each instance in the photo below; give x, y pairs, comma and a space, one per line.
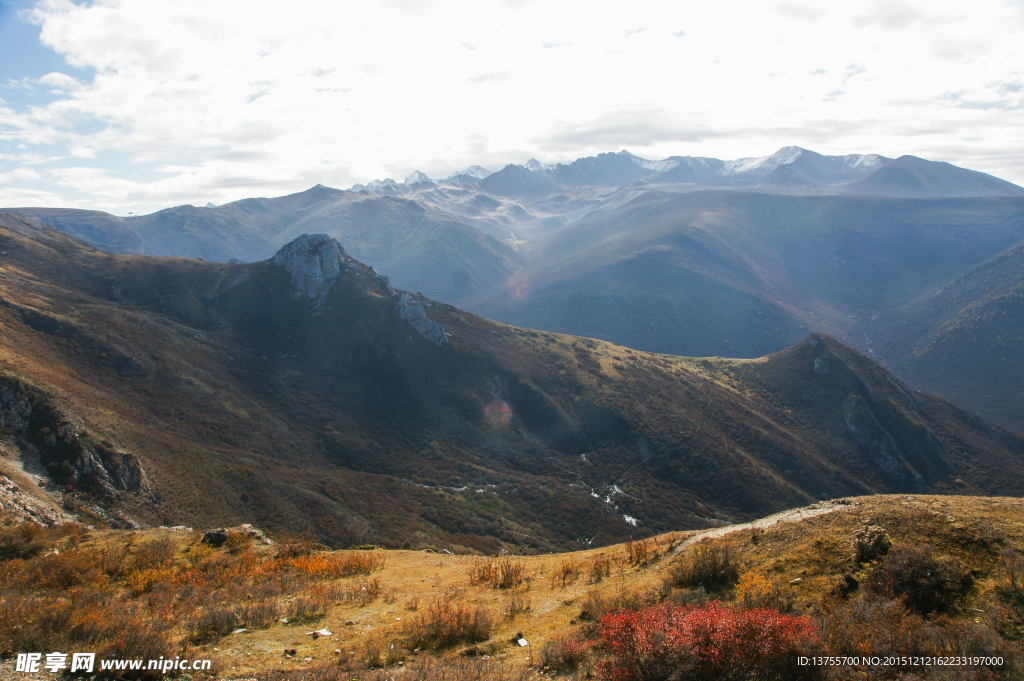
169, 391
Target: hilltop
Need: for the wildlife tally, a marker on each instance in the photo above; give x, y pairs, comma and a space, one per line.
307, 394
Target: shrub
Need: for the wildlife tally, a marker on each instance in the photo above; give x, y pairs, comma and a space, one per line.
517, 604
600, 568
756, 591
195, 554
925, 583
499, 573
155, 554
596, 605
862, 627
304, 609
866, 627
566, 573
870, 543
214, 623
259, 615
444, 624
709, 564
142, 581
564, 653
237, 542
1011, 567
29, 539
641, 552
380, 653
671, 641
336, 565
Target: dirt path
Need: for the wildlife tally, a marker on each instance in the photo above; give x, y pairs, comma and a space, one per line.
792, 515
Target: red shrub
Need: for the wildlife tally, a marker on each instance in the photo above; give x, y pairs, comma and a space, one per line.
669, 641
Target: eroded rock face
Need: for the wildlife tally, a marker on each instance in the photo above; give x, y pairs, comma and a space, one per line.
15, 408
412, 311
67, 452
314, 261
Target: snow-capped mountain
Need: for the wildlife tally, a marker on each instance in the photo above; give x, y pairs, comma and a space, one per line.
416, 177
790, 168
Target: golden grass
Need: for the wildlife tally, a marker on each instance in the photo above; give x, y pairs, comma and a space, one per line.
422, 600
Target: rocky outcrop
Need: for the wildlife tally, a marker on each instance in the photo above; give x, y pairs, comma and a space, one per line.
18, 505
15, 409
65, 448
314, 261
874, 439
218, 537
412, 311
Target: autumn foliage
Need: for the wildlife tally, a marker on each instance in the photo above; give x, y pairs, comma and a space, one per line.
670, 642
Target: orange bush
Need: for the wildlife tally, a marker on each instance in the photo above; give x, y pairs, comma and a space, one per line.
340, 564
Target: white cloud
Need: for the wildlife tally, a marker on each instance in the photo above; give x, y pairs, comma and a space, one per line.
196, 101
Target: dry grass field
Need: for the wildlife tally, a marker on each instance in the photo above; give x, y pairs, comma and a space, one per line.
947, 580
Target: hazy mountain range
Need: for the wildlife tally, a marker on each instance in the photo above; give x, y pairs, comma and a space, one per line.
306, 393
688, 256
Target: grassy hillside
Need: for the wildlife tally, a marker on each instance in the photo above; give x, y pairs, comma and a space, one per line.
176, 391
940, 576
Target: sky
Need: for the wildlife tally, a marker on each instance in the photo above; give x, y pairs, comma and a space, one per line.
136, 105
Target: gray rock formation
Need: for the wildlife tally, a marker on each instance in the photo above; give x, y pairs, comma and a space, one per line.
218, 537
314, 261
412, 311
60, 440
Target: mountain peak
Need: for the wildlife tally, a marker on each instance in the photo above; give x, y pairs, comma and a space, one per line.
416, 177
314, 261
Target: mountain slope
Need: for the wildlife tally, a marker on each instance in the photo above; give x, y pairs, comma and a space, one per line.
98, 229
426, 248
964, 340
745, 274
306, 392
913, 177
517, 181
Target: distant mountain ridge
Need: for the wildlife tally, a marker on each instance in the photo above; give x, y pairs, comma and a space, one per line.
425, 247
789, 167
686, 255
